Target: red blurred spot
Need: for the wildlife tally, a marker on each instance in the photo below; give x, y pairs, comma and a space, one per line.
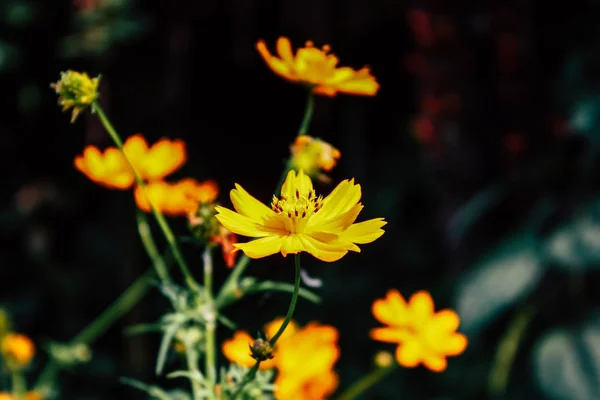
445, 31
431, 105
87, 5
514, 142
424, 130
420, 23
415, 63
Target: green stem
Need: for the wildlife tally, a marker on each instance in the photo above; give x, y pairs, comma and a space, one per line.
162, 222
507, 351
292, 307
121, 306
366, 382
146, 236
210, 357
19, 385
290, 313
231, 283
308, 113
191, 357
267, 286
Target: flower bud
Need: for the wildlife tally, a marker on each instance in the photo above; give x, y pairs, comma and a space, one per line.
76, 91
261, 350
18, 350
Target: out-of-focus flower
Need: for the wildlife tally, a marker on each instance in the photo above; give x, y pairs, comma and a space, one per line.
173, 199
423, 336
314, 347
28, 396
17, 349
226, 239
301, 221
76, 91
110, 168
318, 69
313, 155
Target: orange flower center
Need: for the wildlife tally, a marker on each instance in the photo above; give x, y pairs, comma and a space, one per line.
299, 206
316, 65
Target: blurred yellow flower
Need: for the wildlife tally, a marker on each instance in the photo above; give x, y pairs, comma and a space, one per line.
17, 349
318, 69
28, 396
301, 221
175, 199
304, 358
76, 90
110, 168
313, 155
423, 335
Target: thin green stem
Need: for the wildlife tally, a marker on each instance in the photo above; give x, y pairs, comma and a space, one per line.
146, 236
507, 351
272, 341
162, 222
210, 357
308, 113
267, 286
191, 357
231, 283
364, 383
292, 307
19, 385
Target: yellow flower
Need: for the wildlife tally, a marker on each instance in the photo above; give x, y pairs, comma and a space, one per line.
423, 336
76, 90
110, 168
18, 350
313, 155
175, 199
301, 221
314, 347
318, 69
28, 396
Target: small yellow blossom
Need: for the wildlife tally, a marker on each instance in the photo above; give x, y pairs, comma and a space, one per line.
301, 221
110, 168
313, 347
17, 349
423, 335
28, 396
318, 69
173, 199
76, 90
313, 155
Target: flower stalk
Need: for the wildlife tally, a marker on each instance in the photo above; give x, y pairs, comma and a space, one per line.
210, 356
150, 246
19, 385
366, 382
162, 222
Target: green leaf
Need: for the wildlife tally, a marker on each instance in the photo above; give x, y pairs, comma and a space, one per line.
502, 277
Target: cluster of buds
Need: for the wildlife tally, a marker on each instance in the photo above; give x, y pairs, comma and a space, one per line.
76, 91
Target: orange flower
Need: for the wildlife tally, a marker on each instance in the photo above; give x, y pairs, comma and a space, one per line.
28, 396
175, 199
226, 239
317, 68
110, 168
313, 346
18, 350
313, 155
423, 336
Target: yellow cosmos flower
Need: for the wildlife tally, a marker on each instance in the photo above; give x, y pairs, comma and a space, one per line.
313, 155
423, 336
314, 347
301, 221
317, 68
175, 199
18, 350
28, 396
110, 168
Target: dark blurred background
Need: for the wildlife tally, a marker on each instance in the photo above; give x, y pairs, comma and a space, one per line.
480, 150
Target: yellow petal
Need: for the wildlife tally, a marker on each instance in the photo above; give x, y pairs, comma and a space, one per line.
322, 251
341, 200
391, 335
435, 363
163, 158
284, 48
277, 65
237, 351
272, 327
445, 321
337, 224
247, 205
410, 353
135, 148
364, 232
392, 310
292, 245
300, 182
421, 307
454, 345
238, 223
262, 247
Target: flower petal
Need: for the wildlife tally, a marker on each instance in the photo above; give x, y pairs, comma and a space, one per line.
239, 224
454, 345
292, 245
272, 327
410, 353
341, 200
445, 321
338, 224
237, 350
322, 251
421, 307
435, 363
247, 205
391, 335
163, 158
296, 182
284, 49
262, 247
277, 65
364, 232
392, 310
